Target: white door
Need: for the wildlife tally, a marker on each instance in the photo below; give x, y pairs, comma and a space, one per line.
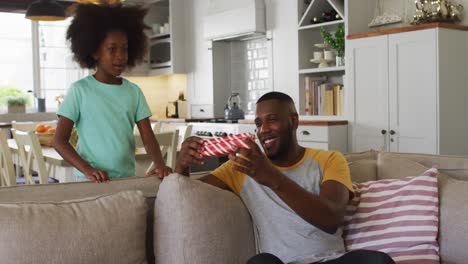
413, 91
367, 74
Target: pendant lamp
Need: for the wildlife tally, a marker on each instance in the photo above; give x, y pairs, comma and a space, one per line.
45, 10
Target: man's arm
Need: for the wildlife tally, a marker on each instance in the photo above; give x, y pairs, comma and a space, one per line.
190, 154
325, 211
215, 181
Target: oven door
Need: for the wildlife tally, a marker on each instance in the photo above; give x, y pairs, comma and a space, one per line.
160, 53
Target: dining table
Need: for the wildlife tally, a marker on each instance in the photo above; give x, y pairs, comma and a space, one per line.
63, 171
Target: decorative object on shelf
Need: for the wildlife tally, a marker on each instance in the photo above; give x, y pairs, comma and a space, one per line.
383, 18
336, 42
331, 15
45, 10
437, 11
323, 58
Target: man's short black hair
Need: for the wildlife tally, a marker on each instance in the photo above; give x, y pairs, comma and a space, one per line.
281, 97
90, 26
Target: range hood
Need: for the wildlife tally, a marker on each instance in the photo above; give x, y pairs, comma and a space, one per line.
234, 19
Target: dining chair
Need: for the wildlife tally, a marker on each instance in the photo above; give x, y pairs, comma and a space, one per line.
168, 145
187, 131
30, 153
7, 170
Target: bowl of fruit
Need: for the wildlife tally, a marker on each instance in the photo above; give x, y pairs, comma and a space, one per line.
45, 134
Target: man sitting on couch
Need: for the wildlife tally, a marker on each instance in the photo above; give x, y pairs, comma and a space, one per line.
296, 196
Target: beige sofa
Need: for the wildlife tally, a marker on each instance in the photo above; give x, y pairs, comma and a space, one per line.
193, 222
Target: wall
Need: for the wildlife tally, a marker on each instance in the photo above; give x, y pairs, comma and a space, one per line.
159, 90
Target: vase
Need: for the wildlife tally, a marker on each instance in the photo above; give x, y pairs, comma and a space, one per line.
340, 61
16, 109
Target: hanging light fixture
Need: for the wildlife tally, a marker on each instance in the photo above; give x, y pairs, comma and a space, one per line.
45, 10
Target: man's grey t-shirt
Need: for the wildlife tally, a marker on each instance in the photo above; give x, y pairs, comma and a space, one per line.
278, 229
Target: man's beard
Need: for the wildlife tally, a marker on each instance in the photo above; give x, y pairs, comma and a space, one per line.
285, 143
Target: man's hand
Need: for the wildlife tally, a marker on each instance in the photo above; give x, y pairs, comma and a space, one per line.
190, 153
96, 175
254, 163
161, 170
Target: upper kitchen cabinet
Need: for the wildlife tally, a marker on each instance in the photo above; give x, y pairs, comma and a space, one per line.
407, 90
166, 47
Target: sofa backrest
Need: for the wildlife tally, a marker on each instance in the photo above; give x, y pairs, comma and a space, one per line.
78, 190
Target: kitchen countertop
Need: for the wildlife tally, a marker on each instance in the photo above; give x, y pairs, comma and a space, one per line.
407, 29
308, 122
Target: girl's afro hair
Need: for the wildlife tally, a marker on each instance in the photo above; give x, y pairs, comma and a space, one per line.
91, 24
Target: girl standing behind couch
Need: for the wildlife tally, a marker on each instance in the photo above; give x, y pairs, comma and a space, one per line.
105, 107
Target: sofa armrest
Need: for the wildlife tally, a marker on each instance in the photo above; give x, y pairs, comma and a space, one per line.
197, 223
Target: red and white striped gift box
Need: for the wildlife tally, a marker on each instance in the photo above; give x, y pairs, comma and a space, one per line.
224, 145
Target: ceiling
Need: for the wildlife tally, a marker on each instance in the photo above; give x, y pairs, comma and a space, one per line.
20, 6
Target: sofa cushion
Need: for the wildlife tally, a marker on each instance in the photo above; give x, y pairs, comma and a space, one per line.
363, 170
199, 223
453, 234
390, 166
453, 166
104, 229
398, 216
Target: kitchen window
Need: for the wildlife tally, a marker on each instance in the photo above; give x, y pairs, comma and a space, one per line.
35, 56
16, 58
57, 69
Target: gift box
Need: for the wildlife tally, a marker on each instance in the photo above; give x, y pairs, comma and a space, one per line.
222, 146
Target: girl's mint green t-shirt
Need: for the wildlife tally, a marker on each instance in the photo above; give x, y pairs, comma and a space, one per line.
104, 116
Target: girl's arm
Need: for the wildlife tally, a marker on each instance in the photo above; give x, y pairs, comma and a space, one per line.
66, 150
152, 148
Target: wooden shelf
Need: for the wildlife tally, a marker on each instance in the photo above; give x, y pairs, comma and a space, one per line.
160, 36
341, 21
322, 70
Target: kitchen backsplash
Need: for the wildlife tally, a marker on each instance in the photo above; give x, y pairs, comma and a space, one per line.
159, 90
250, 71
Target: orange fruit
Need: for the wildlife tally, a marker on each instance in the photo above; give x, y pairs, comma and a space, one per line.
41, 128
50, 130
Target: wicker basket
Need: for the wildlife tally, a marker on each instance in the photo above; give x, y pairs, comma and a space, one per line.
46, 139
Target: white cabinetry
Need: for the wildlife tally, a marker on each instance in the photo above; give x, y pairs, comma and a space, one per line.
406, 90
323, 137
166, 47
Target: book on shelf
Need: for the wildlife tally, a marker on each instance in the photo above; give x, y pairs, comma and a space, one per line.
322, 98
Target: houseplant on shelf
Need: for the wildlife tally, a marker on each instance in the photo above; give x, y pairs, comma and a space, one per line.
14, 98
17, 104
336, 41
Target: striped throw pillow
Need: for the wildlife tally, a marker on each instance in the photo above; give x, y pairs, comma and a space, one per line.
399, 217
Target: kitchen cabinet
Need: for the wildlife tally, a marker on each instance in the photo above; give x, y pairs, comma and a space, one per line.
327, 137
408, 91
166, 38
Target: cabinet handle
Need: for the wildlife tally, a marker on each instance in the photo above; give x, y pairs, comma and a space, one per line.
392, 132
305, 133
383, 131
202, 110
391, 140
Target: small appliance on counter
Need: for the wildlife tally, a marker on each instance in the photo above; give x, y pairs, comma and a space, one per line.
171, 110
232, 110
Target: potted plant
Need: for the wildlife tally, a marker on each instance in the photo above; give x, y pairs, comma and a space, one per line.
17, 104
336, 42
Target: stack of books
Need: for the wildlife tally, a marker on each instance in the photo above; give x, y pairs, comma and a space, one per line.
323, 98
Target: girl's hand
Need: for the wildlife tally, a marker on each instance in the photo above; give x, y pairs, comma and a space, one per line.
162, 171
97, 175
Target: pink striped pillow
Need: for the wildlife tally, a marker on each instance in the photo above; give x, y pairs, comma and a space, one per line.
399, 217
